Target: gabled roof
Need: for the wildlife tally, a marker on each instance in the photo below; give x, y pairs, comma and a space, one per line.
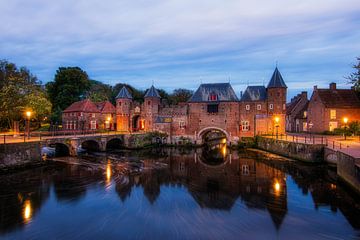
82, 106
300, 114
152, 92
105, 107
224, 92
254, 93
339, 98
276, 80
124, 93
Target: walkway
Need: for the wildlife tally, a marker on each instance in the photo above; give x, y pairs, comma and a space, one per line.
350, 146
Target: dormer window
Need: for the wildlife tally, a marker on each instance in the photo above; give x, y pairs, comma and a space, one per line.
213, 97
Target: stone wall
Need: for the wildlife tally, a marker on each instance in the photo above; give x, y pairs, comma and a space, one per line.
348, 169
19, 154
299, 151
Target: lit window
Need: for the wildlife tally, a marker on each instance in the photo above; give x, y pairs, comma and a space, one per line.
271, 106
245, 126
245, 169
213, 97
182, 124
258, 107
332, 114
93, 115
305, 114
247, 107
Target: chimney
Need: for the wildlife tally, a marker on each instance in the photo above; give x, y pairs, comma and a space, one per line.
304, 94
315, 88
332, 86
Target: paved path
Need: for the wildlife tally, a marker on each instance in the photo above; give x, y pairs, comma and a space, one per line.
350, 146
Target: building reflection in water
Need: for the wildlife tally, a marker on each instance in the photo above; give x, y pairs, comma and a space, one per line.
215, 177
27, 210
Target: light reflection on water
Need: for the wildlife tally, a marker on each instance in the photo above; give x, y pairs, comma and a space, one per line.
177, 194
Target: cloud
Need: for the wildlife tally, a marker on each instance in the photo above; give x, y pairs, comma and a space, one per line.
177, 42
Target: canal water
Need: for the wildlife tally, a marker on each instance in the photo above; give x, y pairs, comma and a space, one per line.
177, 194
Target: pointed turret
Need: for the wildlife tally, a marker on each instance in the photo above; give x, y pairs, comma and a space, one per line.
152, 92
124, 93
123, 108
276, 80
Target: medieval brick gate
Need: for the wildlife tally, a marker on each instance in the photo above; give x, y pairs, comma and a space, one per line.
71, 145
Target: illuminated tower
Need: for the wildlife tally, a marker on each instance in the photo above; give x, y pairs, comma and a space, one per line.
123, 107
151, 106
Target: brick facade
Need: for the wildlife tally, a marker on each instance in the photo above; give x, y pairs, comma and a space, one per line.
328, 108
213, 106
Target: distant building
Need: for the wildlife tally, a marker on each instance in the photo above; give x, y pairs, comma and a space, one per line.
213, 107
328, 108
296, 113
86, 115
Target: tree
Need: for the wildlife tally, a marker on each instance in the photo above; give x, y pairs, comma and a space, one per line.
70, 85
20, 91
180, 95
99, 91
354, 78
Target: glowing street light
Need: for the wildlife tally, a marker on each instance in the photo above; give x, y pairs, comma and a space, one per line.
345, 120
277, 120
28, 116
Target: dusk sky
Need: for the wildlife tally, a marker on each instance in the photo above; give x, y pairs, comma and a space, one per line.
183, 43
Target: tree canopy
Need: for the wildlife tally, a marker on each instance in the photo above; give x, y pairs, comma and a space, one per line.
355, 76
20, 91
99, 91
70, 85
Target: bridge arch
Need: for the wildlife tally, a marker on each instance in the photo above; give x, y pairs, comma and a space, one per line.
61, 149
90, 145
114, 143
203, 133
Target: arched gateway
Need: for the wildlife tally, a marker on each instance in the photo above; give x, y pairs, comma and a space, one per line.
212, 134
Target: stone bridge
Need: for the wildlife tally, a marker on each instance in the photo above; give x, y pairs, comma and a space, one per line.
70, 145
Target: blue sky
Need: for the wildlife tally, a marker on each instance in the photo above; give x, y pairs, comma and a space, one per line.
183, 43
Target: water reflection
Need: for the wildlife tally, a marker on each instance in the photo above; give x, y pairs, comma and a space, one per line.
222, 183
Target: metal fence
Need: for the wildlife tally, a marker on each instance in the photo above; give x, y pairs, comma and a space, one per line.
310, 140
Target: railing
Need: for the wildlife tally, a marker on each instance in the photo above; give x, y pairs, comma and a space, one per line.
310, 140
38, 136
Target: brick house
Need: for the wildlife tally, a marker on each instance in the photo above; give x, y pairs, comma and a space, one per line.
296, 113
86, 115
328, 107
213, 107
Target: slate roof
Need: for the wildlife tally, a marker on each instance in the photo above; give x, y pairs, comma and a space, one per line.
254, 93
82, 106
300, 114
152, 92
124, 93
105, 107
224, 92
276, 80
339, 98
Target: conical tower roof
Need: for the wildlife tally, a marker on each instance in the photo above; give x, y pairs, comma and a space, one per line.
124, 93
276, 80
152, 92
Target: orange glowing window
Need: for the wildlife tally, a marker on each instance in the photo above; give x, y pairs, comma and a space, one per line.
142, 124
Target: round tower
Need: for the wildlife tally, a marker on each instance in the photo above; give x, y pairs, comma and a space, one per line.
123, 110
151, 107
276, 102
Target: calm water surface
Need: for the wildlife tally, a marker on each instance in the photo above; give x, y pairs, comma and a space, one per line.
173, 194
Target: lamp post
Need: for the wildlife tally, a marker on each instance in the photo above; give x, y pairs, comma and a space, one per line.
345, 122
109, 122
277, 120
28, 115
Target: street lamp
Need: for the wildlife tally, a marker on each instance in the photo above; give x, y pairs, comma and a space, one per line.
109, 122
28, 115
277, 120
345, 122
